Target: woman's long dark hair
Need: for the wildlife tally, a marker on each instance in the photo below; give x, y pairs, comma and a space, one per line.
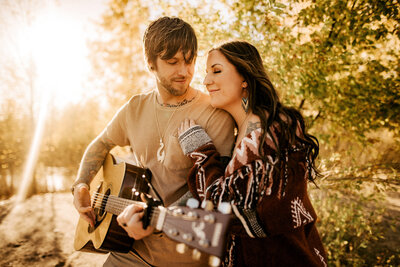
263, 97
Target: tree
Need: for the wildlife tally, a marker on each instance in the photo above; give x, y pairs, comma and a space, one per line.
351, 63
117, 55
17, 85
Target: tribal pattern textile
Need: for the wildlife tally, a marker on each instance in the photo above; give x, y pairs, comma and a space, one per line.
268, 196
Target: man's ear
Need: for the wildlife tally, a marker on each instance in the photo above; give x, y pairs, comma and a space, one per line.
150, 66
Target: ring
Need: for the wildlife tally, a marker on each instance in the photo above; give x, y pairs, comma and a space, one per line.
124, 225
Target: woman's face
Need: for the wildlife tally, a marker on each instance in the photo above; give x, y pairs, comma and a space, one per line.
223, 82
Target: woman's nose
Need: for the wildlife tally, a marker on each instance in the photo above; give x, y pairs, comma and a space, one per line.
207, 80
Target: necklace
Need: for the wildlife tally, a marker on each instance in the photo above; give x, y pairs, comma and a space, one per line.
184, 102
161, 151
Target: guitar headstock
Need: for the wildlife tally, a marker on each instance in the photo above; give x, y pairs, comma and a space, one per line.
203, 230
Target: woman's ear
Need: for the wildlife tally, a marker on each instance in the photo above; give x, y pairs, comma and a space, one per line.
245, 93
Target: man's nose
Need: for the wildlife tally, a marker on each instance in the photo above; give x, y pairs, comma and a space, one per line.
183, 69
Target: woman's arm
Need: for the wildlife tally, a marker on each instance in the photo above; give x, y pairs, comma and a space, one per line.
244, 182
196, 144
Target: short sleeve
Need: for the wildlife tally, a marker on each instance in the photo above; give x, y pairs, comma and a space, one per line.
116, 128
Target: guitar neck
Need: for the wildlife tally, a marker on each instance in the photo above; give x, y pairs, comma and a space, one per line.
115, 205
200, 229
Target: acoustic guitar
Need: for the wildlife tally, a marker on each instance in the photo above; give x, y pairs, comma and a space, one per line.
117, 185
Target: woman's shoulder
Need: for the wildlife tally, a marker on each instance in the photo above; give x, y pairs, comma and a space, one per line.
254, 123
254, 134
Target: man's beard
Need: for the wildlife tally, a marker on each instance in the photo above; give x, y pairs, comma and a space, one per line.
173, 91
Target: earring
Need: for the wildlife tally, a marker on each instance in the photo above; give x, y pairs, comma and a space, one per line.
245, 100
245, 104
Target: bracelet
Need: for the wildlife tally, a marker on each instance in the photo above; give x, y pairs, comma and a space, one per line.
79, 185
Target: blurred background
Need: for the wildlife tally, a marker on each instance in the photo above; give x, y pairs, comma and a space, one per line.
66, 66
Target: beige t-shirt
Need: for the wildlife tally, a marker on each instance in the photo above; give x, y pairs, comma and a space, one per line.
135, 124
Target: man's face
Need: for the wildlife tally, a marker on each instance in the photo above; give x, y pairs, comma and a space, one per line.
174, 75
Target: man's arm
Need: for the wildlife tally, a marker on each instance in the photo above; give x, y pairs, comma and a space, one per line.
93, 158
92, 161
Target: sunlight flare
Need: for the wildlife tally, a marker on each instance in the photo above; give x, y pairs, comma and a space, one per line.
34, 150
48, 58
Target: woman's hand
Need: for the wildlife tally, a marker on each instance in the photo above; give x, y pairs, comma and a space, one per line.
186, 124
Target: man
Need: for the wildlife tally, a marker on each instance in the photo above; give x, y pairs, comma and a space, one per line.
148, 123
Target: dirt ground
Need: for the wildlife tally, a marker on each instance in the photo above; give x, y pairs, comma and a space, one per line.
40, 232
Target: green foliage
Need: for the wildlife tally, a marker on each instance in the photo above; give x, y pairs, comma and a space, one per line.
355, 223
352, 63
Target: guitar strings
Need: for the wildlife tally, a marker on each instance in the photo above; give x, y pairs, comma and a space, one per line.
116, 204
101, 200
117, 207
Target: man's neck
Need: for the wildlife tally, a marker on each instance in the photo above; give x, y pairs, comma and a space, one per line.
167, 99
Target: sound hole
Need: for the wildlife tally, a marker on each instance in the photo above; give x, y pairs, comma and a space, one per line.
99, 210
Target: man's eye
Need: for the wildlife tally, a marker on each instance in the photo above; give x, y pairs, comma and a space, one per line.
172, 62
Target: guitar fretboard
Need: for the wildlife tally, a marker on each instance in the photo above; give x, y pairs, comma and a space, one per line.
115, 205
203, 230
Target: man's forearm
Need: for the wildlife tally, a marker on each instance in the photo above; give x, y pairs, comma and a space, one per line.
93, 159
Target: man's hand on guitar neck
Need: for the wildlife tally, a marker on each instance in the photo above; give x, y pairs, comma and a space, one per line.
82, 203
131, 220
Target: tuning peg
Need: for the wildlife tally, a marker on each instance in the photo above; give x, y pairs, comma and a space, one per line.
225, 208
192, 203
181, 248
207, 205
196, 254
214, 261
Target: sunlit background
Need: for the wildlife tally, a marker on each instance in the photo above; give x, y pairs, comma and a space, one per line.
46, 41
53, 35
66, 66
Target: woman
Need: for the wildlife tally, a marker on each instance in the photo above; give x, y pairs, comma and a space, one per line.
266, 179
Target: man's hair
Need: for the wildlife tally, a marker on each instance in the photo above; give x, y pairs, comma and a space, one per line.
166, 36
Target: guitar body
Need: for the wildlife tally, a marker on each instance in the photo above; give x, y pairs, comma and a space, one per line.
117, 179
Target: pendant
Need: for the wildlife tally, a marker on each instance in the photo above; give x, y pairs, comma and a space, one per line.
161, 152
